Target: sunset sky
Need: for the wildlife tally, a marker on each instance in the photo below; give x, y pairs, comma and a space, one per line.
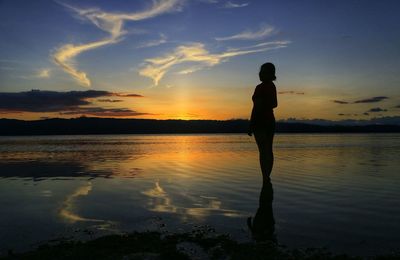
198, 59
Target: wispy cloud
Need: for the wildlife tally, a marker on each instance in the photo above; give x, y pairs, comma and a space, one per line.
64, 55
377, 109
291, 92
230, 4
103, 112
190, 70
385, 120
261, 45
113, 24
340, 102
39, 74
126, 95
71, 102
347, 114
366, 100
43, 73
371, 100
107, 100
161, 40
264, 31
156, 68
209, 1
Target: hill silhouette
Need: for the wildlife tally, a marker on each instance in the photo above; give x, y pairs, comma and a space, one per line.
86, 125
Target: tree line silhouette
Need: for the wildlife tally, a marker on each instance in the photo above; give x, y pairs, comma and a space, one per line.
87, 125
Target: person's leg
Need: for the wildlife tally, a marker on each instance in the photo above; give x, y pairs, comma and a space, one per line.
269, 153
264, 140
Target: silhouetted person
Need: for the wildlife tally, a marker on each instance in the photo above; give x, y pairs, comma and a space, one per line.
262, 125
262, 121
262, 226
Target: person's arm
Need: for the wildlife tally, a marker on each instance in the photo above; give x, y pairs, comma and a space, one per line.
274, 99
251, 124
253, 112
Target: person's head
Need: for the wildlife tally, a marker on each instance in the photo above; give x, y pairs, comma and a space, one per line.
267, 72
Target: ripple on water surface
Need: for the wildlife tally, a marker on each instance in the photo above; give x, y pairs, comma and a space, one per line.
339, 191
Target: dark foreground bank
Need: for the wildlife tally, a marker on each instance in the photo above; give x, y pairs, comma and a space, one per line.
84, 125
199, 244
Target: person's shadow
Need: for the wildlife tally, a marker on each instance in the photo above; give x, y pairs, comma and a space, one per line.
262, 226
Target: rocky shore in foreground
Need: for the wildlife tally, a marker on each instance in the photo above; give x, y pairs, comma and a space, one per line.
198, 244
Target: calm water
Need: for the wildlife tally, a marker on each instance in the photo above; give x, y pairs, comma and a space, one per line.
339, 191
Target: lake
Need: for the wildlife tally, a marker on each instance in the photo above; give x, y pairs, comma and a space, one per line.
339, 191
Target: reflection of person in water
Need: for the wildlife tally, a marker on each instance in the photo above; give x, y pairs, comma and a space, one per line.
262, 227
262, 125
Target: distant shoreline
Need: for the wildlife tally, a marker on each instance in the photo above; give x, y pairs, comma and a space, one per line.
96, 126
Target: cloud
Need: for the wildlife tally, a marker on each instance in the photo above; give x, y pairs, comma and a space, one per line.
377, 109
259, 45
112, 23
156, 68
110, 100
189, 70
371, 100
229, 5
126, 95
291, 92
40, 74
103, 112
71, 102
340, 102
43, 74
265, 30
161, 40
348, 114
209, 1
66, 53
367, 100
385, 120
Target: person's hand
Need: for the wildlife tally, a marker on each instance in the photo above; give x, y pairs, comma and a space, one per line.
250, 131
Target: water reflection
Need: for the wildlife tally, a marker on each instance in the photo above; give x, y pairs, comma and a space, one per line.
41, 170
192, 206
262, 226
68, 206
323, 183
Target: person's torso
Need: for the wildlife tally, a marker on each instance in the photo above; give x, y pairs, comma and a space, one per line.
263, 98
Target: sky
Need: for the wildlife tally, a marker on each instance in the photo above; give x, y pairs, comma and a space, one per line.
198, 59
